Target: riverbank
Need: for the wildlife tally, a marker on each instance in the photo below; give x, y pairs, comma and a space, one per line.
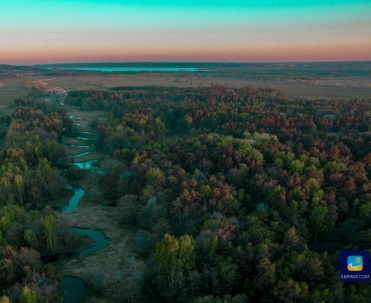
104, 270
108, 268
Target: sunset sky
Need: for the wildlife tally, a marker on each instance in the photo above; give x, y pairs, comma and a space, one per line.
54, 31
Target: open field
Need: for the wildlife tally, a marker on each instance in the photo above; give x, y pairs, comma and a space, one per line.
306, 80
10, 89
341, 88
82, 119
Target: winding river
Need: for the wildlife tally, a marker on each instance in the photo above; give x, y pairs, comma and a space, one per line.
74, 288
74, 201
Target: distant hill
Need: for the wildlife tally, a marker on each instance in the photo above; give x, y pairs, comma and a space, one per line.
6, 67
141, 64
304, 70
12, 71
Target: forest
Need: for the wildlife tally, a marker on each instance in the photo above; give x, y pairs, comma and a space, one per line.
235, 194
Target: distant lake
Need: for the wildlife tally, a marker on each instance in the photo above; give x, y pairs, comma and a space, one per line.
133, 69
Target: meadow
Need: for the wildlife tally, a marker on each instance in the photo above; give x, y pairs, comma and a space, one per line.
9, 90
343, 81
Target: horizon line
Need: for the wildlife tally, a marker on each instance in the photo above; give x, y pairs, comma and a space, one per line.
189, 62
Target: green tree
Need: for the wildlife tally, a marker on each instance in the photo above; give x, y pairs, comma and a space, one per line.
266, 274
291, 291
154, 176
317, 219
175, 259
5, 299
50, 232
206, 191
187, 122
30, 237
19, 187
27, 296
228, 272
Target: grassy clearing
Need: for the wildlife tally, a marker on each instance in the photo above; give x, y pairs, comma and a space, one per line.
12, 89
75, 150
77, 242
104, 270
82, 119
92, 156
75, 141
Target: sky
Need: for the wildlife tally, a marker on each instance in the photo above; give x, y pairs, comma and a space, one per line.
61, 31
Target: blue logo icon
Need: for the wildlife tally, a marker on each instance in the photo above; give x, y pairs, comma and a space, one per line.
355, 263
355, 266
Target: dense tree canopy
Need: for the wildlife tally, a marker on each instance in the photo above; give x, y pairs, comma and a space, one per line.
270, 189
236, 194
29, 180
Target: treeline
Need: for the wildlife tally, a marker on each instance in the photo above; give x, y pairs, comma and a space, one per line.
27, 160
23, 237
29, 180
234, 112
238, 194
